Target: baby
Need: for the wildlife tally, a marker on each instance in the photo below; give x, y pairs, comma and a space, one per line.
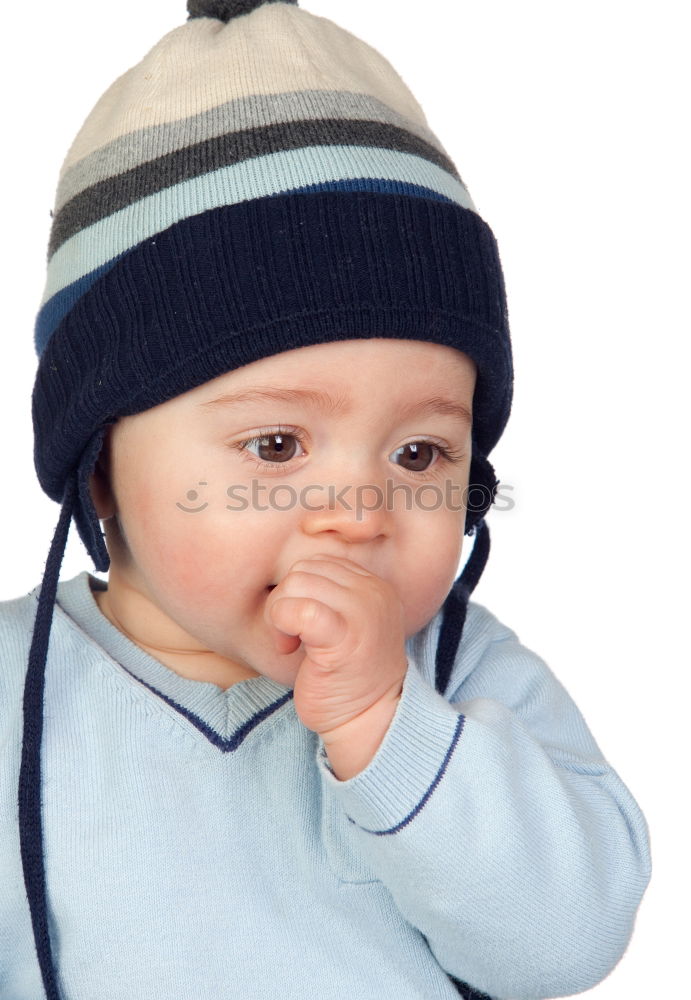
281, 751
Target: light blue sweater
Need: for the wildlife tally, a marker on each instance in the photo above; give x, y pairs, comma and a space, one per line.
198, 845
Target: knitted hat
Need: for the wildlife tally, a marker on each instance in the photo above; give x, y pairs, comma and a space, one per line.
262, 180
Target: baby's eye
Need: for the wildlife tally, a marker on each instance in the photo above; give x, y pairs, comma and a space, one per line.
274, 447
416, 455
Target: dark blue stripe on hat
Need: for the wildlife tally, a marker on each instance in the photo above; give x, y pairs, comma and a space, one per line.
56, 308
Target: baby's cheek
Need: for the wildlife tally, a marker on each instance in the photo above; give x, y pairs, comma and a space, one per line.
175, 547
198, 558
428, 586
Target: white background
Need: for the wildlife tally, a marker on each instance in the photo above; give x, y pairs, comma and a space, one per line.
568, 122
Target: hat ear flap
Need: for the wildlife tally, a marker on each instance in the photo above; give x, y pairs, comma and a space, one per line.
482, 490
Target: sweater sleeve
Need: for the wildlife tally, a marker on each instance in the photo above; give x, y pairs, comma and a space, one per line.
497, 826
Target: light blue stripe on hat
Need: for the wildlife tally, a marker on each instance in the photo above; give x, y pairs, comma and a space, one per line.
53, 312
260, 177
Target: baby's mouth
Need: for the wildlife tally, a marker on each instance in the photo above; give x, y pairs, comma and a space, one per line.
271, 586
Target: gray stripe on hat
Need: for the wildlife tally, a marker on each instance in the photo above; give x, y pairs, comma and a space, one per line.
257, 111
259, 178
115, 193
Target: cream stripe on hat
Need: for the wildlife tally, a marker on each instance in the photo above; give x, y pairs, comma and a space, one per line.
279, 48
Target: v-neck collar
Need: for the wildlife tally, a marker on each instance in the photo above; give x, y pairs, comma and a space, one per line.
224, 717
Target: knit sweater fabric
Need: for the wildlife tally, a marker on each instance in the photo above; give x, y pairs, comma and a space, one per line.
198, 844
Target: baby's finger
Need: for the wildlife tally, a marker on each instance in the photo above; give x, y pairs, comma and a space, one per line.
336, 561
332, 585
324, 575
316, 624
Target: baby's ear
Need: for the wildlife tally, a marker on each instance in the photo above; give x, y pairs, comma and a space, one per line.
100, 484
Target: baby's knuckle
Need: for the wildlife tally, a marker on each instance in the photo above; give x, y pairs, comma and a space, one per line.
311, 610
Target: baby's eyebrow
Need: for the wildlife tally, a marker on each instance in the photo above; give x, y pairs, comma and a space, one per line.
437, 404
317, 398
323, 401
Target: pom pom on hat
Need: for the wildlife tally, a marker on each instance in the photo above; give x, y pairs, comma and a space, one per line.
225, 10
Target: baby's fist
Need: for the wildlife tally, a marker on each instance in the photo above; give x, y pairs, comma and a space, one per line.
351, 624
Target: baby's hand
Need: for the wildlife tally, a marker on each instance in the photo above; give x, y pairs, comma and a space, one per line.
351, 624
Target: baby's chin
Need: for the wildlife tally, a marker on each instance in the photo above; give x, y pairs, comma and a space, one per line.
279, 667
284, 670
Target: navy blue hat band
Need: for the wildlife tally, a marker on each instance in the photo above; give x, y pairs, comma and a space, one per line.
229, 286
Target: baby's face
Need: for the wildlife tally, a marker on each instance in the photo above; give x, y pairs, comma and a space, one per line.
322, 450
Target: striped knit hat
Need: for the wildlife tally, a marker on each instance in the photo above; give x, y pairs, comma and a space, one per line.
261, 181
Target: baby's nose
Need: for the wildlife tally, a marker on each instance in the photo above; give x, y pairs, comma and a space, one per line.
355, 513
